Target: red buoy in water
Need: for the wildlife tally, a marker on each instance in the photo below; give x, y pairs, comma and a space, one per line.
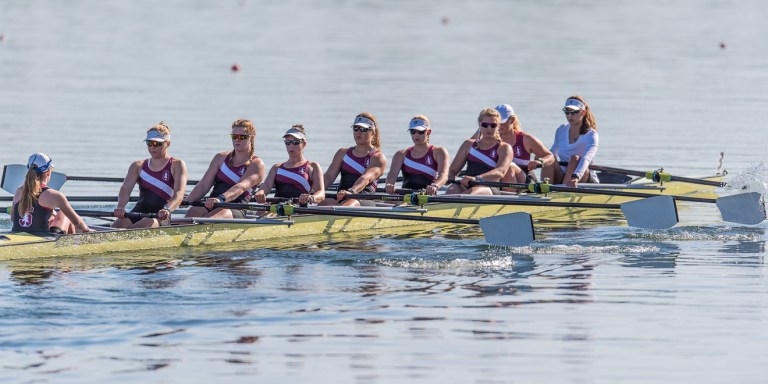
2, 37
722, 45
235, 67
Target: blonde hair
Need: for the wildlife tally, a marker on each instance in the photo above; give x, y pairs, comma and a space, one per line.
494, 114
299, 127
376, 141
31, 190
516, 126
589, 121
250, 129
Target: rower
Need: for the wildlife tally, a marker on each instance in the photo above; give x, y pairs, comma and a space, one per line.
487, 158
38, 203
296, 178
424, 166
524, 145
360, 166
161, 180
575, 146
233, 175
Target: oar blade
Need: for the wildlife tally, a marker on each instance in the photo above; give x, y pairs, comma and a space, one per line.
14, 175
744, 208
512, 229
658, 212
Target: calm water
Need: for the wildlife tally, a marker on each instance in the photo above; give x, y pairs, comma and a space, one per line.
83, 80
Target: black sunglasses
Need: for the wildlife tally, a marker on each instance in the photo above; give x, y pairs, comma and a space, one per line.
570, 112
294, 142
361, 129
154, 144
417, 132
489, 125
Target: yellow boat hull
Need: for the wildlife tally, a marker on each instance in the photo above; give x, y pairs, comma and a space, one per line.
24, 245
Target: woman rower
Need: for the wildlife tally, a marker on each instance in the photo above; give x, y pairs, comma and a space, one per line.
523, 146
34, 203
575, 146
488, 157
161, 179
360, 166
233, 175
424, 165
297, 177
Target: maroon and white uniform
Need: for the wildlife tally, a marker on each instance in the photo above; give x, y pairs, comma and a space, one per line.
155, 188
352, 167
480, 161
227, 176
292, 182
418, 173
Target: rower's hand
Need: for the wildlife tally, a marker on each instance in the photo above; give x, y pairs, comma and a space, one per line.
210, 202
342, 193
432, 189
85, 228
572, 182
532, 165
305, 199
390, 188
260, 197
466, 180
119, 213
163, 214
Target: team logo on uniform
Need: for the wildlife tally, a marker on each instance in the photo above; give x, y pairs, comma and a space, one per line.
493, 153
518, 152
166, 175
26, 220
428, 160
367, 161
241, 171
302, 170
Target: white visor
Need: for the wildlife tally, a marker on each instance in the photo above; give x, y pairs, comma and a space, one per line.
296, 133
419, 124
575, 105
363, 121
154, 135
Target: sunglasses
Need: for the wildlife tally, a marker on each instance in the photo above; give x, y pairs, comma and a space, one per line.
417, 132
154, 144
489, 125
240, 137
361, 129
570, 112
294, 142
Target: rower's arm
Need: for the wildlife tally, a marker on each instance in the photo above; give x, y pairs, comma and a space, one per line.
266, 186
179, 171
318, 183
394, 169
373, 172
63, 204
535, 146
204, 185
333, 170
131, 178
461, 158
442, 158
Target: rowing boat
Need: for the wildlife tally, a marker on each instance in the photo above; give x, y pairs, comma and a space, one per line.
263, 233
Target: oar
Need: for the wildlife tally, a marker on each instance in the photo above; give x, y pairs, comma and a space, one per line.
659, 212
657, 176
97, 213
513, 229
14, 174
742, 208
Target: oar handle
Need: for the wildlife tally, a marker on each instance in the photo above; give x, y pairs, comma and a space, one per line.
96, 213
